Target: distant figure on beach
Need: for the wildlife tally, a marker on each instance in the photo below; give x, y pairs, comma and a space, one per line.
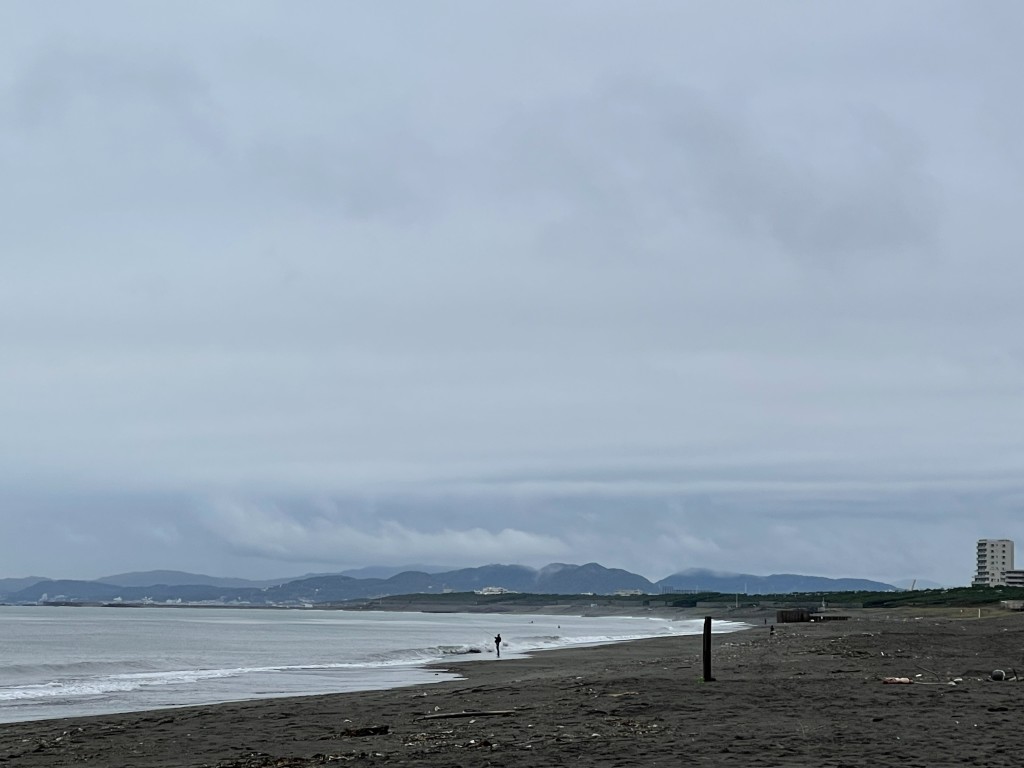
771, 630
497, 645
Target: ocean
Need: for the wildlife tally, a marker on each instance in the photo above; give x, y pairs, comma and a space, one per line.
67, 661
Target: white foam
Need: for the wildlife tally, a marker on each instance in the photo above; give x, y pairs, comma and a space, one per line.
89, 661
97, 686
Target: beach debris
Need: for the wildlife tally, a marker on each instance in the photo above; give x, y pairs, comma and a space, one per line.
929, 671
370, 730
468, 713
897, 681
998, 675
263, 760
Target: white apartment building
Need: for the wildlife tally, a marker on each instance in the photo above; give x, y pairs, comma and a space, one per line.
995, 563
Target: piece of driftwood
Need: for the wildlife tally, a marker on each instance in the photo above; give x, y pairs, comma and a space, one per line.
372, 730
480, 688
478, 713
930, 672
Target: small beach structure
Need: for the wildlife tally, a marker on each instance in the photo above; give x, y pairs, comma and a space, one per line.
792, 615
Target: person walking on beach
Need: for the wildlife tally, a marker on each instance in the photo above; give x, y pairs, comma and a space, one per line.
497, 645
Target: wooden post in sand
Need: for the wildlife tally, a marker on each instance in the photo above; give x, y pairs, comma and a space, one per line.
707, 650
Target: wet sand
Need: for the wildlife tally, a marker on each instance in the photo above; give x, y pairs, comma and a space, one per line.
811, 695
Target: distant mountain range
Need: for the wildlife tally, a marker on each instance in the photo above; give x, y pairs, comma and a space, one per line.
555, 579
702, 580
13, 585
182, 578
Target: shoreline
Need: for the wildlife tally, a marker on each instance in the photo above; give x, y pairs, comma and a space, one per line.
811, 694
406, 666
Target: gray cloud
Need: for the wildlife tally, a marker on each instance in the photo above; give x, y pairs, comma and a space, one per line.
641, 154
654, 287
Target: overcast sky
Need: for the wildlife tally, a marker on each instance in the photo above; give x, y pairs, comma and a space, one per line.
304, 287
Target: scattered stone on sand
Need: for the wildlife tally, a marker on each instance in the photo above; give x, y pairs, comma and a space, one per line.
809, 696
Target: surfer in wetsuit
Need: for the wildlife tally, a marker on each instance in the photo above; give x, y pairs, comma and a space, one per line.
497, 645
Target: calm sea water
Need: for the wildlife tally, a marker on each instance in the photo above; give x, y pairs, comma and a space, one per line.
59, 662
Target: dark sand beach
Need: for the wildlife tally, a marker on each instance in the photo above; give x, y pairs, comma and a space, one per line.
811, 695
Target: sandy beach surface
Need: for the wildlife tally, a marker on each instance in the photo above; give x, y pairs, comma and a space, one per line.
811, 694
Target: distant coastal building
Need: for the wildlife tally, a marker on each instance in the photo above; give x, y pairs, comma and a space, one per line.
995, 564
